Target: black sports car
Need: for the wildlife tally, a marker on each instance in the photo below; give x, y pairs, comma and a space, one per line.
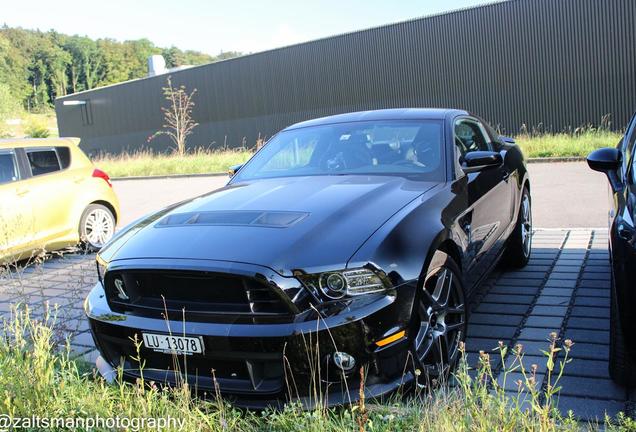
345, 242
620, 166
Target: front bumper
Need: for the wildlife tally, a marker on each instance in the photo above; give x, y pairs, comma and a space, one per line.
268, 364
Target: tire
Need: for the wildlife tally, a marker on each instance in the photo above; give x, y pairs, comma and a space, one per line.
438, 321
519, 246
622, 367
96, 227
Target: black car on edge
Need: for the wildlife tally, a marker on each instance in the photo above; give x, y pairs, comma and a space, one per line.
620, 166
347, 241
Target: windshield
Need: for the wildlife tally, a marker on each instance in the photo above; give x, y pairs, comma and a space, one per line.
407, 148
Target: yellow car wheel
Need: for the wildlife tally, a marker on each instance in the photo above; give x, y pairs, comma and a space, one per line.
97, 226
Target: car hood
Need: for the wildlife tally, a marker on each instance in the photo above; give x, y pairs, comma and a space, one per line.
309, 223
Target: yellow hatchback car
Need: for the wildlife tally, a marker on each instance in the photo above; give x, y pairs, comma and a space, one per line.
52, 197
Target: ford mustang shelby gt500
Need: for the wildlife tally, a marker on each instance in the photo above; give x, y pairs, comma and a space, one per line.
345, 242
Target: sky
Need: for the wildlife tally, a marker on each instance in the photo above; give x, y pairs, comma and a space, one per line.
212, 26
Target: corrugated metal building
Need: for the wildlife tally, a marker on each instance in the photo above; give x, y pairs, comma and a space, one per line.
553, 64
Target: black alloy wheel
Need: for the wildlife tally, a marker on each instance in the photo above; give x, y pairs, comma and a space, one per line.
439, 321
519, 246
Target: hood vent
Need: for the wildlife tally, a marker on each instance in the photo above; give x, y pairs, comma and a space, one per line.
271, 219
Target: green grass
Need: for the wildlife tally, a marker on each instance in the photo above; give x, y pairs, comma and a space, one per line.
146, 163
151, 164
566, 145
37, 380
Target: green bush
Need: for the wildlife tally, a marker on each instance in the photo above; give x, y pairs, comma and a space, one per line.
37, 129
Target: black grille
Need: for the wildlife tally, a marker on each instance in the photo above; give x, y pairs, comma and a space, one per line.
197, 294
235, 372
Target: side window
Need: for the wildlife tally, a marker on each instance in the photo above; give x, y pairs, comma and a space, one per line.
43, 161
64, 155
470, 136
8, 167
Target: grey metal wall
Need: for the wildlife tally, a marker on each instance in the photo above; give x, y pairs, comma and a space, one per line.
553, 64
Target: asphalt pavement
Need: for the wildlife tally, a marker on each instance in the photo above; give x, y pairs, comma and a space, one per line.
565, 194
568, 195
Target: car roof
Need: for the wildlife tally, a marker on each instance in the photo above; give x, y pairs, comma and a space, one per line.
383, 114
37, 142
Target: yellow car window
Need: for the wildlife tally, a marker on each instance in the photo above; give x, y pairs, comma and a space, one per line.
8, 167
43, 161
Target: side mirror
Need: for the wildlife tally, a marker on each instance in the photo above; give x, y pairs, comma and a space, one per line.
233, 170
607, 160
481, 160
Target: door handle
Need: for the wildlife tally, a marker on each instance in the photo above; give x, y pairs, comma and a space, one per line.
505, 175
465, 223
22, 192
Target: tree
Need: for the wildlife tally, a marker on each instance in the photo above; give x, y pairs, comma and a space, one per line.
173, 56
8, 104
39, 66
197, 58
13, 69
138, 53
86, 62
115, 67
57, 61
224, 55
48, 72
178, 122
39, 96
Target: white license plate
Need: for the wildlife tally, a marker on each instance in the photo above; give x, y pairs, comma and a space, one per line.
173, 344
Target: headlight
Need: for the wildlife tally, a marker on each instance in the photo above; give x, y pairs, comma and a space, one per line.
101, 268
336, 285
